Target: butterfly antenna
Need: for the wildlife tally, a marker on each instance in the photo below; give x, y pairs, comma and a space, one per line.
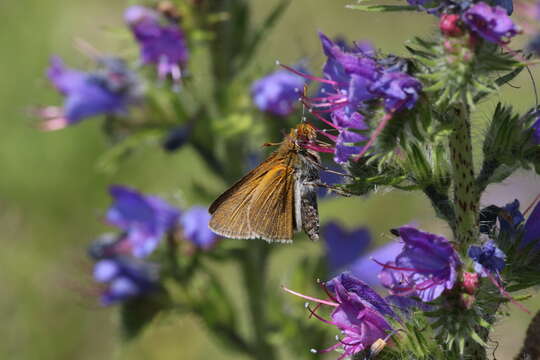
304, 94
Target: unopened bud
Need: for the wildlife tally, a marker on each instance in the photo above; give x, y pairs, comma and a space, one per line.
470, 282
449, 25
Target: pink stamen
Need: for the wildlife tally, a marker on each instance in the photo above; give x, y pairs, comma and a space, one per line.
319, 148
517, 55
375, 134
329, 136
310, 77
386, 266
348, 344
329, 97
329, 123
505, 293
331, 348
310, 103
54, 124
531, 205
329, 303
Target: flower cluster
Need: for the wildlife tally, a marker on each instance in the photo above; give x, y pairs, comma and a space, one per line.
144, 221
109, 90
511, 222
354, 78
360, 314
278, 92
487, 258
491, 23
162, 45
426, 267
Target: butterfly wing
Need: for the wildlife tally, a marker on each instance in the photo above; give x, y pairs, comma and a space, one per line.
271, 212
229, 211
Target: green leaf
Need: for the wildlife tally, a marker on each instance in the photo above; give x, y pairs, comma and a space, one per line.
477, 338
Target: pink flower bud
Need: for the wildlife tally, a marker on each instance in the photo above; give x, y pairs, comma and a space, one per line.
470, 282
449, 25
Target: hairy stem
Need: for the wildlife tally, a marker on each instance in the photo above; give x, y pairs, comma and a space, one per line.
254, 266
466, 197
466, 200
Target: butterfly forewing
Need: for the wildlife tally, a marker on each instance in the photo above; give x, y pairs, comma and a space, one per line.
271, 212
230, 211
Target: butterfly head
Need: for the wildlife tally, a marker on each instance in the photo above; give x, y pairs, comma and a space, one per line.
304, 133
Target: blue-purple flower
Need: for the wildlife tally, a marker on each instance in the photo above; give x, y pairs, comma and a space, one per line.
367, 269
278, 92
355, 315
491, 23
353, 77
352, 285
195, 228
536, 132
399, 90
510, 217
125, 278
348, 136
426, 267
161, 41
488, 258
344, 247
144, 219
531, 230
109, 90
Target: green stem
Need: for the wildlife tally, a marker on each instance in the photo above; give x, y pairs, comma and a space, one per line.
466, 201
466, 197
254, 266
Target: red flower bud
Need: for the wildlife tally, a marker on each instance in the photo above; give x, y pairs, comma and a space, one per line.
470, 282
449, 25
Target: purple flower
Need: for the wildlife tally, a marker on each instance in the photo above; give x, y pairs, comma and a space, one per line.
534, 47
367, 270
195, 227
531, 231
488, 258
278, 92
342, 246
427, 266
536, 132
360, 324
354, 314
510, 217
399, 90
348, 137
125, 278
491, 23
161, 41
353, 285
109, 90
349, 73
145, 219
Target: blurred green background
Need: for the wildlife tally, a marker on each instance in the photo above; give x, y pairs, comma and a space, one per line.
52, 195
